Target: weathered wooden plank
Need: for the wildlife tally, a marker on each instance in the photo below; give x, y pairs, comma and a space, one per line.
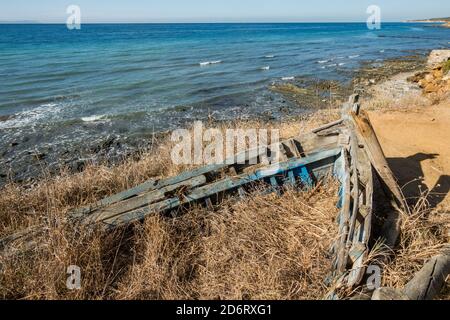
367, 135
366, 210
273, 182
249, 156
142, 200
354, 190
328, 125
306, 177
311, 142
368, 138
219, 187
389, 294
344, 216
291, 178
428, 282
291, 149
146, 187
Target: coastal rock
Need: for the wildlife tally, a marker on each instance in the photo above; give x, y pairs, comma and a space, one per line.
39, 156
417, 77
422, 83
386, 294
429, 77
438, 56
435, 80
431, 87
4, 118
438, 73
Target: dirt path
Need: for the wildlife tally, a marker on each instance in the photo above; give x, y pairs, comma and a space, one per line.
417, 144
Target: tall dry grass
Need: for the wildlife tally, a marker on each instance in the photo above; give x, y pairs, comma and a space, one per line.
262, 247
424, 235
106, 259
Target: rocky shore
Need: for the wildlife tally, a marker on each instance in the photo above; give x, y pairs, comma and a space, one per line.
316, 93
23, 164
436, 78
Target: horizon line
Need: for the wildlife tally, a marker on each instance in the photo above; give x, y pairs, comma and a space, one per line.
206, 22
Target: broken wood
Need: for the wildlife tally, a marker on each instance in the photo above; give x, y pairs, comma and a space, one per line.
429, 281
347, 148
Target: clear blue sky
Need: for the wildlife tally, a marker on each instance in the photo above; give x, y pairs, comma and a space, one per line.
220, 10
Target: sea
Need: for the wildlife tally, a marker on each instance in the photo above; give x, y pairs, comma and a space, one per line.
62, 88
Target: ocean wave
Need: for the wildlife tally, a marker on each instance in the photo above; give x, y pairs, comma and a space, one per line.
332, 65
207, 63
49, 105
287, 78
94, 118
354, 56
31, 117
265, 68
269, 56
322, 61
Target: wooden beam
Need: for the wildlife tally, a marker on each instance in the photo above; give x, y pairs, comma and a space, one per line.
218, 187
142, 200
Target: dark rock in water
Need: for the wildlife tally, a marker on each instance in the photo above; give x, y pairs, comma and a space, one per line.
417, 77
105, 145
181, 108
5, 118
78, 165
14, 144
39, 156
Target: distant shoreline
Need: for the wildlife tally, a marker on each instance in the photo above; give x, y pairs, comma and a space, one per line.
194, 23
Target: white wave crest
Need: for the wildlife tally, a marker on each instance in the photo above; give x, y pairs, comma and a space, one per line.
207, 63
93, 118
31, 117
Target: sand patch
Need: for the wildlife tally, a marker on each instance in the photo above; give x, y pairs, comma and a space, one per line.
416, 143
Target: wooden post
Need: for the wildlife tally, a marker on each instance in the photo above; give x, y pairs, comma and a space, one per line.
428, 282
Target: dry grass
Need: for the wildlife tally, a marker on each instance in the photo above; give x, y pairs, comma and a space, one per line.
111, 264
424, 235
24, 206
406, 102
262, 247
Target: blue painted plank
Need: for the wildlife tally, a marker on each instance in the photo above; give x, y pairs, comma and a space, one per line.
221, 186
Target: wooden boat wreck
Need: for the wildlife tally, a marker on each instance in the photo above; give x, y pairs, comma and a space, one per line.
346, 149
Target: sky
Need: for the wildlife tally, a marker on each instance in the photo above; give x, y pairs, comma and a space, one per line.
54, 11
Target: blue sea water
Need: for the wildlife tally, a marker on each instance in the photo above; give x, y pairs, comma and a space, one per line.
61, 85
